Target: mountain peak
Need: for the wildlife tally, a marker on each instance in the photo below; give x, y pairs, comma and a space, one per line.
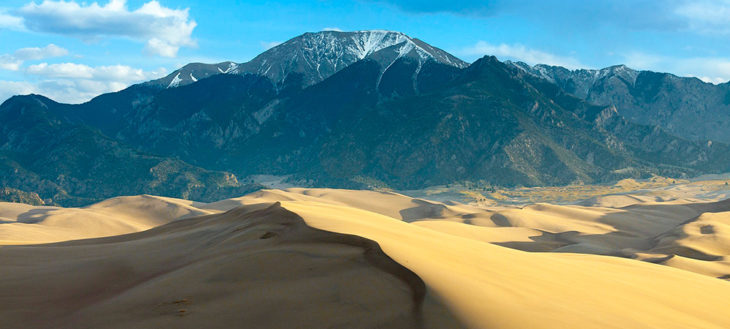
318, 55
549, 72
577, 82
193, 72
362, 43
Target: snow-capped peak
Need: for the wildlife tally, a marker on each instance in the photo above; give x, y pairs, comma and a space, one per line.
316, 56
319, 55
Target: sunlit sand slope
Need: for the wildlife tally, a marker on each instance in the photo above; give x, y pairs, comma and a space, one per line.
490, 286
24, 224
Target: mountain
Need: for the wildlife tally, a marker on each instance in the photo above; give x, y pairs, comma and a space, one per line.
240, 123
43, 152
397, 113
313, 57
686, 107
493, 124
193, 72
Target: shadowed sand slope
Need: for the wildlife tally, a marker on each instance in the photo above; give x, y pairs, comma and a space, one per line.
251, 267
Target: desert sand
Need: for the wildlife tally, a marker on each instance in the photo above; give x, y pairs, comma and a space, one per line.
324, 258
24, 224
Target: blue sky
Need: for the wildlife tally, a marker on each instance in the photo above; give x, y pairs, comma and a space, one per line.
74, 50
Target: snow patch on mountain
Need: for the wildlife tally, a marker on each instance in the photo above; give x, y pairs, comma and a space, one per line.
580, 80
368, 42
175, 81
232, 68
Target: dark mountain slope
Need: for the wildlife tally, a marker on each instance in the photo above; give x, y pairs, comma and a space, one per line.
500, 126
73, 164
685, 107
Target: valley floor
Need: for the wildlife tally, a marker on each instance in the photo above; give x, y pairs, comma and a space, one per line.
658, 257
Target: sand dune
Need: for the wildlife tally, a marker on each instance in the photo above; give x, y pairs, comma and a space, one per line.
255, 268
494, 287
385, 203
312, 258
24, 224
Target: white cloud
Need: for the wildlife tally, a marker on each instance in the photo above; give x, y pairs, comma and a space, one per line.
642, 61
76, 91
10, 88
35, 53
8, 62
708, 69
715, 80
163, 29
76, 83
270, 44
519, 52
706, 16
10, 22
13, 61
335, 29
62, 70
120, 73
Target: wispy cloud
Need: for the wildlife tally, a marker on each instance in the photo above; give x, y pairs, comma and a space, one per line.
76, 83
164, 30
336, 29
121, 73
666, 15
11, 88
706, 16
10, 22
519, 52
13, 61
269, 44
708, 69
8, 62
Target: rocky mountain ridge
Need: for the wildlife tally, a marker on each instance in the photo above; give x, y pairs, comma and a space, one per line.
393, 117
686, 107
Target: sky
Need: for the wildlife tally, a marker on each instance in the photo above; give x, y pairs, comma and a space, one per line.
73, 50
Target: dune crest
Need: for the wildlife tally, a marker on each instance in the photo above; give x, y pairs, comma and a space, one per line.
255, 266
492, 287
